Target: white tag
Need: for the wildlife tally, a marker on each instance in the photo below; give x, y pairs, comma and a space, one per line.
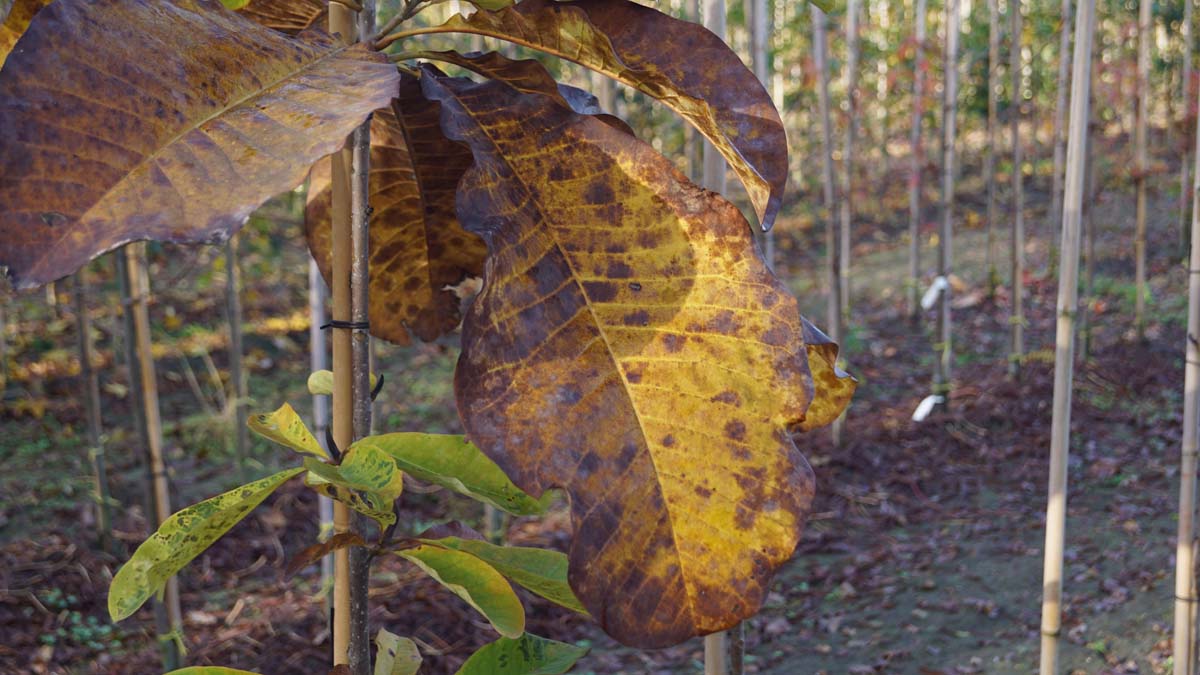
926, 405
939, 285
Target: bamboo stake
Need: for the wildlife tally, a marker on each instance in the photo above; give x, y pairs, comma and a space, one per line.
1059, 140
95, 431
916, 159
1064, 361
233, 307
341, 21
1184, 654
851, 77
144, 381
1017, 249
989, 163
1141, 160
943, 347
1089, 249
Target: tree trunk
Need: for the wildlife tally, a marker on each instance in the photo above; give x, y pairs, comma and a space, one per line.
989, 163
1184, 654
1017, 250
1141, 160
1064, 357
1054, 216
943, 347
135, 293
851, 77
95, 431
915, 161
233, 306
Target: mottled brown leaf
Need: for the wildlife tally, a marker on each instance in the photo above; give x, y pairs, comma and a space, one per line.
528, 76
287, 16
630, 347
833, 387
678, 62
161, 119
418, 249
313, 553
15, 23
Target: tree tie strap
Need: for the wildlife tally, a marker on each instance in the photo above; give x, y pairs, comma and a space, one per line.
348, 325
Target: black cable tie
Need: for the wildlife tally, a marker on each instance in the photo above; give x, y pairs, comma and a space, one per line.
348, 325
331, 445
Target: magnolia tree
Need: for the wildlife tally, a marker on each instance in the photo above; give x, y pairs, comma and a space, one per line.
628, 345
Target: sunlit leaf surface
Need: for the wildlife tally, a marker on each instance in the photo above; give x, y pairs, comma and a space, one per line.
285, 427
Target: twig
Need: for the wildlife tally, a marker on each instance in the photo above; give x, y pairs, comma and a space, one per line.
411, 7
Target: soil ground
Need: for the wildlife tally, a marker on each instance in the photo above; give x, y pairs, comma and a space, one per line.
923, 553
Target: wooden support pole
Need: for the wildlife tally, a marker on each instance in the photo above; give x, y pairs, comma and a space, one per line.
1017, 249
943, 348
847, 216
989, 162
833, 315
1185, 183
1054, 215
1184, 654
143, 379
1142, 162
237, 376
1064, 357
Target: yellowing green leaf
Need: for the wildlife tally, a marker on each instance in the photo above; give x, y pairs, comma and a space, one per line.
629, 346
677, 62
396, 655
476, 582
539, 570
182, 537
285, 427
526, 655
419, 252
235, 4
205, 117
455, 464
328, 480
368, 468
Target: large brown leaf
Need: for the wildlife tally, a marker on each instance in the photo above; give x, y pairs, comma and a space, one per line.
161, 119
418, 249
14, 24
680, 63
630, 347
287, 16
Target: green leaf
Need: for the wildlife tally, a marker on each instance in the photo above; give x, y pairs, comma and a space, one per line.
181, 538
321, 382
397, 655
285, 427
235, 4
491, 5
210, 670
476, 582
526, 655
454, 463
542, 571
326, 479
374, 471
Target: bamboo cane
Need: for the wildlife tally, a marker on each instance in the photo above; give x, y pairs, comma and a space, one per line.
1184, 654
1141, 160
233, 307
916, 158
95, 431
144, 381
943, 347
1089, 249
851, 77
1064, 362
989, 163
758, 18
319, 360
341, 21
1017, 248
